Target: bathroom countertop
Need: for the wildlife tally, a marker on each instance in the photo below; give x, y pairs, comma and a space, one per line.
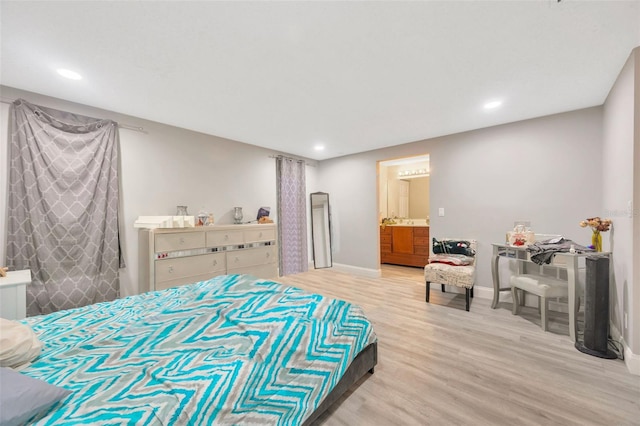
421, 225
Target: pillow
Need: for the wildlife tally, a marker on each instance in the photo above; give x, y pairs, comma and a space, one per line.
19, 345
23, 397
453, 247
451, 259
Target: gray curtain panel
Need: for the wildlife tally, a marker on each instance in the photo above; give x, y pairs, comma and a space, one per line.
292, 216
63, 207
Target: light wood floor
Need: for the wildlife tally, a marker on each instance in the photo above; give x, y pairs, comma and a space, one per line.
441, 365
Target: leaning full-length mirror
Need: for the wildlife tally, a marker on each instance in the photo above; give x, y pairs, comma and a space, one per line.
321, 230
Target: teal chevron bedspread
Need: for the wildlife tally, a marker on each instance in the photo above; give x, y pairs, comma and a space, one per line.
231, 350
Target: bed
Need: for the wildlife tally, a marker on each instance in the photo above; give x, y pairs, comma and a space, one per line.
230, 350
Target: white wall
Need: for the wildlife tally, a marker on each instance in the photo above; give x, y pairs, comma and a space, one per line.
635, 309
383, 192
545, 170
619, 114
4, 176
168, 166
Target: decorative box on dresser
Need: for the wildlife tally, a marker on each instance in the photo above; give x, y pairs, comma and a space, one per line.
404, 245
176, 256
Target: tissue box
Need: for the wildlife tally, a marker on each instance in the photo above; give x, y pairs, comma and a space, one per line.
152, 222
184, 221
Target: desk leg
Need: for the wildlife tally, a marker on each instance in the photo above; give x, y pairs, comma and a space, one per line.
572, 277
495, 274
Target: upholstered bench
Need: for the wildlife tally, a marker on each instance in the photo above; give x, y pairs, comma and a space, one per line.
453, 275
542, 286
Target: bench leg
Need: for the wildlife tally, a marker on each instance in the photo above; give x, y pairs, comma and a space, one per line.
467, 294
472, 292
428, 288
544, 306
540, 305
442, 287
514, 295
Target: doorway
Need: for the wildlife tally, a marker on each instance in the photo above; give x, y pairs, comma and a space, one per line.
403, 211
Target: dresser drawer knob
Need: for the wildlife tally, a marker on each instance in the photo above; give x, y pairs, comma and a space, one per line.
215, 262
226, 237
260, 235
181, 240
171, 269
268, 254
236, 259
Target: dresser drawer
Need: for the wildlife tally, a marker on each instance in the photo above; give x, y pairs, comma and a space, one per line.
179, 241
385, 239
421, 241
421, 231
421, 250
191, 266
257, 235
385, 248
252, 256
224, 238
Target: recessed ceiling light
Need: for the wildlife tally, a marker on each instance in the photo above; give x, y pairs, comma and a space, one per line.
71, 75
492, 104
319, 147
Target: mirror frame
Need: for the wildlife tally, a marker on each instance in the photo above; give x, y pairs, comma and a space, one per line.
327, 236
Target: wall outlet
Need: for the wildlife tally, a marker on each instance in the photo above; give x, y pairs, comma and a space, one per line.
441, 211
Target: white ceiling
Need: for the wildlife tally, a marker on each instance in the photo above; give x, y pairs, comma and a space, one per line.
353, 76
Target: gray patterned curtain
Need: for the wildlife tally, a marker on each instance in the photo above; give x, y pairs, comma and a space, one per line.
292, 216
63, 207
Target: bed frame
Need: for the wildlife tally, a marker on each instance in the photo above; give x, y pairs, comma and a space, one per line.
364, 362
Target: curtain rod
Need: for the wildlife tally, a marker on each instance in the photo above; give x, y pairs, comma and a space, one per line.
121, 125
292, 159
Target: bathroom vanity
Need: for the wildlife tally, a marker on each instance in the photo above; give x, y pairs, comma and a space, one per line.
406, 245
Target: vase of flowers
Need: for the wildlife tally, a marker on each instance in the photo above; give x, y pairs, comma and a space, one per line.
597, 225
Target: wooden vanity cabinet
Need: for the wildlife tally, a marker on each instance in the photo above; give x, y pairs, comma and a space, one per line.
404, 245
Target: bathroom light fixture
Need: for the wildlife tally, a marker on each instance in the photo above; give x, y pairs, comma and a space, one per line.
71, 75
319, 147
407, 174
492, 104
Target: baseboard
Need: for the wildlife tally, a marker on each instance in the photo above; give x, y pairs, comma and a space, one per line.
482, 292
357, 270
631, 360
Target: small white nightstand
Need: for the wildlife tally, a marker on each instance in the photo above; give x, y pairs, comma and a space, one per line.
13, 294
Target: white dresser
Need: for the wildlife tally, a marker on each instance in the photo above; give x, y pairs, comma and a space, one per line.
177, 256
13, 294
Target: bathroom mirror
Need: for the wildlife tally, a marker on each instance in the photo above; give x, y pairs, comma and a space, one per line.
404, 187
321, 230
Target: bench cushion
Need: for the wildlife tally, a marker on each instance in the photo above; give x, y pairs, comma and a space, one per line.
541, 286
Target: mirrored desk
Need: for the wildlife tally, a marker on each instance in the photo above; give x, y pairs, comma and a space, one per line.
567, 262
